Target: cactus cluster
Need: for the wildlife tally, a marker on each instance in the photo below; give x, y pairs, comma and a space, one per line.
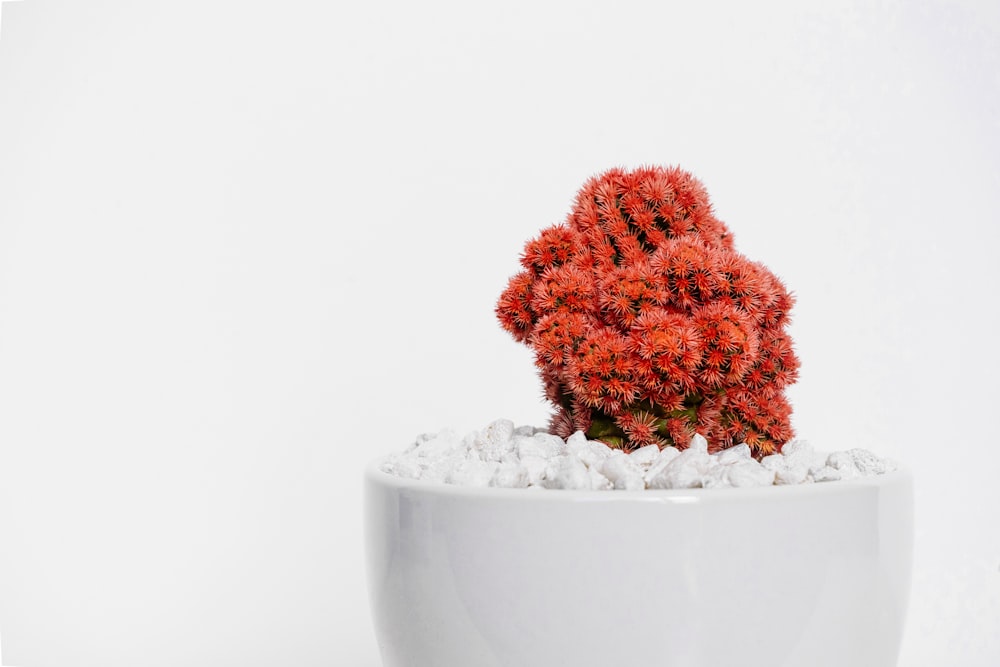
647, 326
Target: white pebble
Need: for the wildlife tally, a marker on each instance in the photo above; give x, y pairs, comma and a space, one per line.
843, 463
422, 438
403, 466
501, 430
799, 454
796, 448
437, 446
567, 472
867, 463
773, 462
750, 473
599, 482
734, 454
578, 439
817, 462
717, 476
439, 470
589, 451
798, 463
693, 456
496, 440
644, 456
534, 469
601, 449
685, 471
545, 445
473, 472
826, 474
510, 457
510, 476
793, 474
624, 473
677, 477
666, 455
699, 443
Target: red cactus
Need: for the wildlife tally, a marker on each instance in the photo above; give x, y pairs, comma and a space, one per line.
647, 325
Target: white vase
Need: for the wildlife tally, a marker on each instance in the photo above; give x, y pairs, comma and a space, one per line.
815, 575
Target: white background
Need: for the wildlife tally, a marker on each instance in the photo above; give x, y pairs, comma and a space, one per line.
247, 246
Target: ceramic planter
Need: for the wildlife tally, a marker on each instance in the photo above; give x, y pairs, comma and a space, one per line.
815, 575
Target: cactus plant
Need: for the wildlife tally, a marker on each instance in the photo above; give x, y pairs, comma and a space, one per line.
647, 326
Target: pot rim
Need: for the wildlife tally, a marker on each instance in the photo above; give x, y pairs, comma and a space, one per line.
375, 475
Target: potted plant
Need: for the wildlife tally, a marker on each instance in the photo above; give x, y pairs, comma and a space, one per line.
666, 355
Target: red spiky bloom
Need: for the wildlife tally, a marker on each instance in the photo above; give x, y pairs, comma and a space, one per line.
647, 325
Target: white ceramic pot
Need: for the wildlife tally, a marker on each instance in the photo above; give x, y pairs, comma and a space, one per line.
814, 575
